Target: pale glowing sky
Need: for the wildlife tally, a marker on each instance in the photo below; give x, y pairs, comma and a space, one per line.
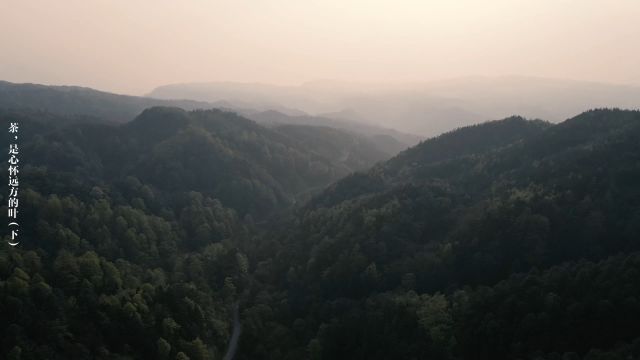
132, 46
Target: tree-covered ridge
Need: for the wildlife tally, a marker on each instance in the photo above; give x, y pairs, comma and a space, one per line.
555, 194
249, 168
75, 100
390, 140
470, 140
355, 152
445, 156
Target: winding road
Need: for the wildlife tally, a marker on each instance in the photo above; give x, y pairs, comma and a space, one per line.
235, 335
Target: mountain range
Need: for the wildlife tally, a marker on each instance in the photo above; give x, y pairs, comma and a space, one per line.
109, 107
428, 108
174, 232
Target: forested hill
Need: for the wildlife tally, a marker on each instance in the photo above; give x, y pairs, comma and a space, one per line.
430, 254
275, 118
111, 265
467, 141
249, 168
132, 235
356, 152
75, 100
445, 156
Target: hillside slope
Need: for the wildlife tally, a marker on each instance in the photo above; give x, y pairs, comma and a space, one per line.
74, 100
251, 169
468, 209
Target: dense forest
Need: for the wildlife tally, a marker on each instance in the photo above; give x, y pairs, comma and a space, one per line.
511, 239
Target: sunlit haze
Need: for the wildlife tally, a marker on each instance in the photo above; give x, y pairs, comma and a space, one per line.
134, 46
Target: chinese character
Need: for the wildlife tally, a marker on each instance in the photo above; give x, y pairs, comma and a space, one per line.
14, 236
12, 203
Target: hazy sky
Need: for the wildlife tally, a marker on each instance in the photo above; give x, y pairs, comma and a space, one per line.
134, 45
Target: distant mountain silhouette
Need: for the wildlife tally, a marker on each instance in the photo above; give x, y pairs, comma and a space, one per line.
75, 100
89, 105
272, 117
428, 108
